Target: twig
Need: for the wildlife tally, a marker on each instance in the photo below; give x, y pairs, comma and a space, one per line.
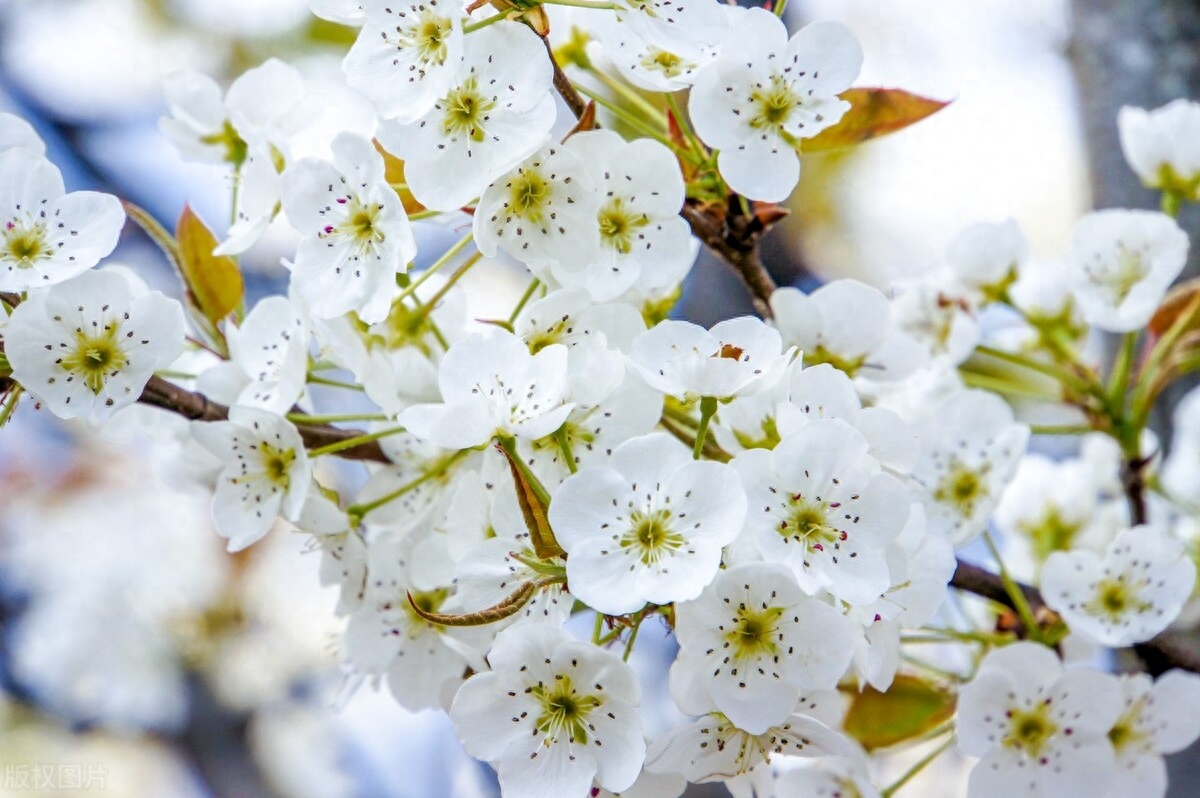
562, 84
198, 407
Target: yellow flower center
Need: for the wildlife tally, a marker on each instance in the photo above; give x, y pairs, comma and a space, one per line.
95, 358
25, 243
650, 536
564, 710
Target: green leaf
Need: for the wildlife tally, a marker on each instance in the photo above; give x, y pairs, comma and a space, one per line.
534, 502
873, 113
910, 708
213, 282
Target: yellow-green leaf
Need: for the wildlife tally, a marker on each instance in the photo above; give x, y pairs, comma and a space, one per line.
534, 502
213, 281
393, 172
873, 113
911, 707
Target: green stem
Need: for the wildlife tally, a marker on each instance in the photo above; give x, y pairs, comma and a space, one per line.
313, 379
6, 410
360, 511
1059, 429
635, 122
1020, 602
350, 443
1003, 386
451, 280
633, 636
564, 446
582, 4
685, 124
708, 408
524, 300
509, 444
1118, 381
448, 256
921, 764
631, 96
483, 23
304, 418
597, 628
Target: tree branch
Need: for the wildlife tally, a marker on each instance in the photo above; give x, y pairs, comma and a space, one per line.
198, 407
1161, 653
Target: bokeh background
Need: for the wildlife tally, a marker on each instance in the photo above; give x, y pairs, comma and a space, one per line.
137, 658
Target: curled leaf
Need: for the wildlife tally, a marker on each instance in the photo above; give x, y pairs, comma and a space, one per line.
1181, 302
497, 612
393, 172
873, 113
534, 502
910, 708
213, 282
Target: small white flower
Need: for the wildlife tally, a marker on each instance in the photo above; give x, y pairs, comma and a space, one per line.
737, 357
765, 93
554, 713
1159, 717
87, 347
820, 505
753, 641
849, 325
970, 448
493, 386
828, 777
938, 318
16, 132
642, 239
266, 473
1130, 595
652, 64
987, 258
1122, 263
356, 235
406, 54
1041, 732
268, 364
496, 113
46, 234
648, 527
1163, 146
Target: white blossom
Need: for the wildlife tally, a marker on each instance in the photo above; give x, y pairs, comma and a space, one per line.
266, 473
753, 641
1122, 263
16, 132
765, 93
1041, 731
497, 112
1127, 597
646, 528
268, 363
1163, 146
987, 258
356, 235
406, 54
46, 234
87, 347
553, 714
1159, 717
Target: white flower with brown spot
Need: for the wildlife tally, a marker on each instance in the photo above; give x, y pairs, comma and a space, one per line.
266, 473
87, 347
553, 714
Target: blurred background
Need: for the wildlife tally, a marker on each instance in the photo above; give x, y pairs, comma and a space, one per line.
137, 658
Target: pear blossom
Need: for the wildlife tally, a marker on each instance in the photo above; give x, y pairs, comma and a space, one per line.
46, 234
1127, 597
1159, 717
640, 230
1041, 730
987, 258
828, 777
87, 347
736, 357
651, 61
939, 317
406, 54
268, 364
820, 505
1163, 146
493, 386
970, 448
646, 528
543, 213
1122, 263
356, 235
16, 132
753, 641
553, 714
496, 112
765, 93
712, 748
424, 662
266, 473
847, 324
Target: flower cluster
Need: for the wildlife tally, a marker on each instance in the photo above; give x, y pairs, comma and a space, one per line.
785, 497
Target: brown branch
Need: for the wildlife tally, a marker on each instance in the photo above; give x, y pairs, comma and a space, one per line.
1161, 653
1133, 479
562, 84
198, 407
